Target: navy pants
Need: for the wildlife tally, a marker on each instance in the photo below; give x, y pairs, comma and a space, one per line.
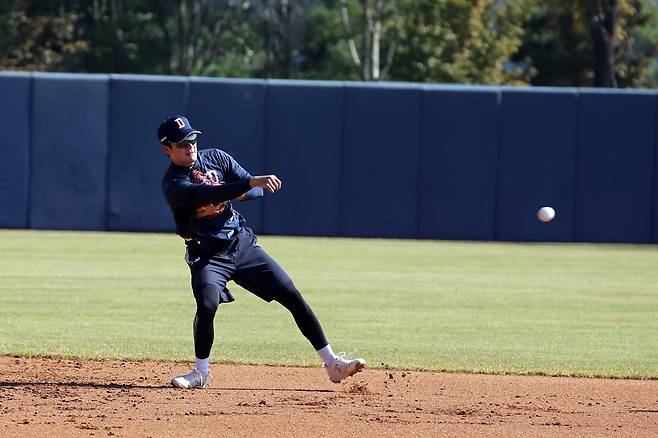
246, 263
240, 260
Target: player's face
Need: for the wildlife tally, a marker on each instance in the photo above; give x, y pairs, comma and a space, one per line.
183, 153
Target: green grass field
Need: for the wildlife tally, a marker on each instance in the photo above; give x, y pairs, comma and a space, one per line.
561, 309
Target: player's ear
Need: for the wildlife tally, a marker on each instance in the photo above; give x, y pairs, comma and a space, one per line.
166, 149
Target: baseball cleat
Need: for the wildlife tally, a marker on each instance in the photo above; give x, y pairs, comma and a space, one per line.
193, 380
341, 368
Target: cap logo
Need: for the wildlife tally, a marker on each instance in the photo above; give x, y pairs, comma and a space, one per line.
180, 123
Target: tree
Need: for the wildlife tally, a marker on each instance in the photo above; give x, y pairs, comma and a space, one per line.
637, 44
421, 40
377, 19
197, 32
602, 21
465, 41
32, 38
568, 44
280, 21
189, 37
323, 52
418, 40
122, 36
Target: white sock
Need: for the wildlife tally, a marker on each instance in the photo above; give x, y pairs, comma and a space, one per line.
327, 354
203, 365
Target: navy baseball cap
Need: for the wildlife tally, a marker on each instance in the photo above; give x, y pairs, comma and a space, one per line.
174, 129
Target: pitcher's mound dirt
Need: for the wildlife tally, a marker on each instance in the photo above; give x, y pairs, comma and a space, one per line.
42, 397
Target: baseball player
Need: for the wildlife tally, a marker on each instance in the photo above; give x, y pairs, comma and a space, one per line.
199, 187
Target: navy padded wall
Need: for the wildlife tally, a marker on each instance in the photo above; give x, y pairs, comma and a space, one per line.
304, 134
231, 114
537, 163
138, 104
69, 151
14, 166
381, 145
615, 164
458, 162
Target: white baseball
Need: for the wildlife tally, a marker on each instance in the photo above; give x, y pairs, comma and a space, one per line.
546, 214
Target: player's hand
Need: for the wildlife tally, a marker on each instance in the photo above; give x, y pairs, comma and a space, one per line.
269, 182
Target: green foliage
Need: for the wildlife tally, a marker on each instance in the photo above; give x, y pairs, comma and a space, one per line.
560, 309
558, 44
461, 41
323, 51
38, 41
637, 44
435, 40
200, 35
127, 42
129, 36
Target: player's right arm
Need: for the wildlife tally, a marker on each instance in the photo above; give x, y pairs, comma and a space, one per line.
182, 192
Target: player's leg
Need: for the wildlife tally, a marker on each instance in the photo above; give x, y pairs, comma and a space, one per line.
209, 278
290, 298
337, 366
207, 297
257, 272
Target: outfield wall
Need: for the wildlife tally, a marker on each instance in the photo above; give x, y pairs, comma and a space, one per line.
357, 159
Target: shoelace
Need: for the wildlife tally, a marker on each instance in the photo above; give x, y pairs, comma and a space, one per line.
342, 355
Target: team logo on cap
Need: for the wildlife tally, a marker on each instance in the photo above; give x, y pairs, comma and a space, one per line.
180, 123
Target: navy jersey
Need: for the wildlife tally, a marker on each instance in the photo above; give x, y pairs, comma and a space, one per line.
200, 196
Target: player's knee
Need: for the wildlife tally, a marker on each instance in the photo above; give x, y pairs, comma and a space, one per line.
207, 300
206, 309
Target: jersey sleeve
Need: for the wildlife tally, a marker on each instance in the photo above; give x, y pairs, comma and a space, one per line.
233, 171
255, 193
183, 193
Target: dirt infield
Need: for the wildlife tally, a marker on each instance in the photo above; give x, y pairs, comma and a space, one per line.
40, 397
